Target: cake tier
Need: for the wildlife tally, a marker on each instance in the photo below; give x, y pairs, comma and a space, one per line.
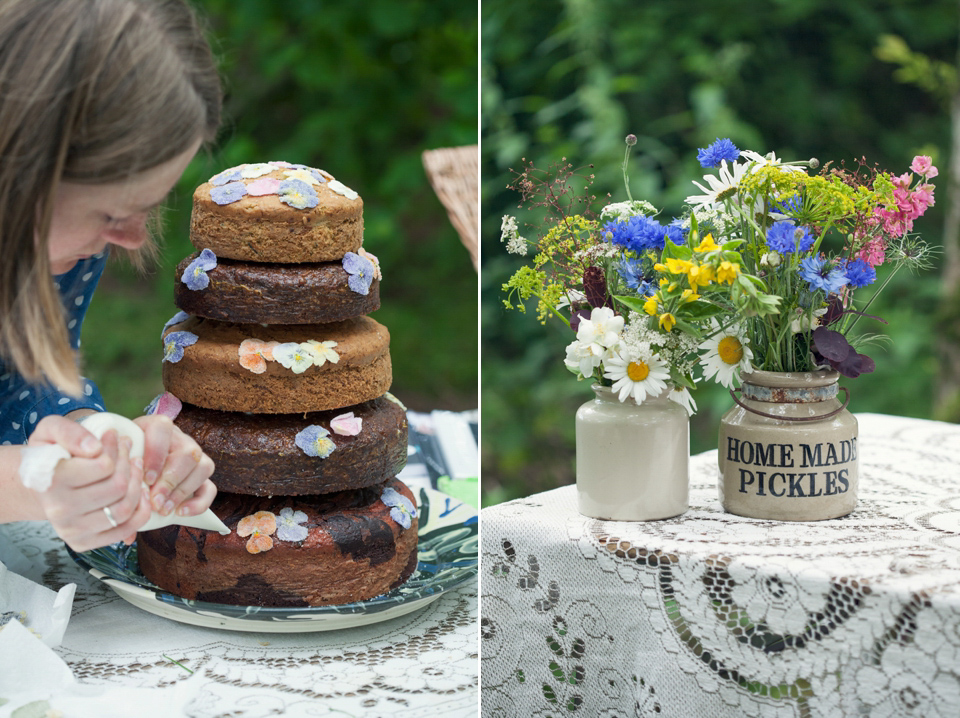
317, 221
258, 454
286, 552
285, 369
247, 292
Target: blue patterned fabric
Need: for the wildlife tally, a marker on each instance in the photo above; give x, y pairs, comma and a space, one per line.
22, 404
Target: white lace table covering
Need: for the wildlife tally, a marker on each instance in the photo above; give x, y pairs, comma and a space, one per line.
421, 664
710, 614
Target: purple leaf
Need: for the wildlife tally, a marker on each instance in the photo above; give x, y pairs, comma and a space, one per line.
833, 346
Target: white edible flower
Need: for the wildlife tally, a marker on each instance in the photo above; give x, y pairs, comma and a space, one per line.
321, 352
636, 375
727, 354
293, 356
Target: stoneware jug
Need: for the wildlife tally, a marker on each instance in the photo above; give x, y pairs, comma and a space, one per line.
788, 449
632, 458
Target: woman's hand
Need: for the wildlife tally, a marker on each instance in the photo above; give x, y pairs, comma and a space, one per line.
175, 468
98, 475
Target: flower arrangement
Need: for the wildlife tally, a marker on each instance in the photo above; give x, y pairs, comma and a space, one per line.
765, 269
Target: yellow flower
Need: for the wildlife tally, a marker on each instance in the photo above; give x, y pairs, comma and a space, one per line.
727, 272
678, 266
707, 245
650, 306
688, 295
660, 267
700, 276
667, 321
663, 281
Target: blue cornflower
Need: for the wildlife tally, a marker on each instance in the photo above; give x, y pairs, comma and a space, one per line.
860, 274
674, 233
638, 234
720, 150
631, 271
820, 276
195, 275
785, 237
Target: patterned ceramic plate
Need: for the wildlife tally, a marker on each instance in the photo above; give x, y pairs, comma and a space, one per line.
447, 553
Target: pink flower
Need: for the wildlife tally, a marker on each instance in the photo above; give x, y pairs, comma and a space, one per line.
260, 187
923, 166
346, 424
873, 252
166, 404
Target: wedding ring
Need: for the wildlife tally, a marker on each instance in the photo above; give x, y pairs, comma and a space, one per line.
109, 514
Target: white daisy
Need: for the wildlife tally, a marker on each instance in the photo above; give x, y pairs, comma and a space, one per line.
682, 396
721, 188
770, 159
727, 354
635, 375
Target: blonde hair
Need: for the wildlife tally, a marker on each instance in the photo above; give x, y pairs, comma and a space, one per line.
91, 91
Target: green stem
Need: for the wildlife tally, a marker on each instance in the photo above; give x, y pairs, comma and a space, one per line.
876, 294
626, 176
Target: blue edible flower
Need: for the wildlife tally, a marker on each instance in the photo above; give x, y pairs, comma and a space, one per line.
228, 193
195, 275
174, 344
360, 271
314, 441
298, 194
232, 174
289, 525
402, 509
720, 150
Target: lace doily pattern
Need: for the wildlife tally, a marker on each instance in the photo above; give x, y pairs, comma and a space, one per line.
714, 614
424, 663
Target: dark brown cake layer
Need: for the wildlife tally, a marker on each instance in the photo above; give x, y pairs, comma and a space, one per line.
209, 373
257, 454
353, 550
248, 292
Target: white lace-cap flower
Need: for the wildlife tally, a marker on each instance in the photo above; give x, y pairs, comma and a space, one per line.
626, 210
720, 188
682, 396
509, 233
727, 354
635, 375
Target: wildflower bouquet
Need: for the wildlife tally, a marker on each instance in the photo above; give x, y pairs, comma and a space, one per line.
758, 272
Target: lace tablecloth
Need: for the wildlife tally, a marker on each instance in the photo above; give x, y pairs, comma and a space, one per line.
710, 614
421, 664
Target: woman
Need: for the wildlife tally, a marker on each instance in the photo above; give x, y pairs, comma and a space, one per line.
103, 103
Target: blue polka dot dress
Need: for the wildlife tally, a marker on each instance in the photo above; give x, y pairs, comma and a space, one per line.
22, 405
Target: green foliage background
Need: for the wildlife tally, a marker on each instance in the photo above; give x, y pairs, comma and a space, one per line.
361, 90
571, 78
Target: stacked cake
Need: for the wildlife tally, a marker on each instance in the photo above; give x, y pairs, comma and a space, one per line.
273, 367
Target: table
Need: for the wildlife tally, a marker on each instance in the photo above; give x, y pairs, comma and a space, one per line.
710, 614
421, 664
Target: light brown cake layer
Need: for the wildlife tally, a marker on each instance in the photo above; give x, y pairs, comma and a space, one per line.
248, 292
257, 454
354, 550
210, 374
264, 229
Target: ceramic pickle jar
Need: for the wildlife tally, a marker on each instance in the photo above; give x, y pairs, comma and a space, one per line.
788, 449
632, 459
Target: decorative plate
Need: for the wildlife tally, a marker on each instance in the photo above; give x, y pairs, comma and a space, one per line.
447, 555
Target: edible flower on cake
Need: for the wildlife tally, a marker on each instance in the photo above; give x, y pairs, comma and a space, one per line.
174, 344
258, 527
296, 193
195, 275
314, 441
402, 509
289, 525
254, 354
346, 424
361, 271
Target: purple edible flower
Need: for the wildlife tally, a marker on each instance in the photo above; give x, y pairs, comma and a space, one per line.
228, 175
175, 319
228, 193
361, 271
314, 441
402, 509
298, 194
174, 344
195, 275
